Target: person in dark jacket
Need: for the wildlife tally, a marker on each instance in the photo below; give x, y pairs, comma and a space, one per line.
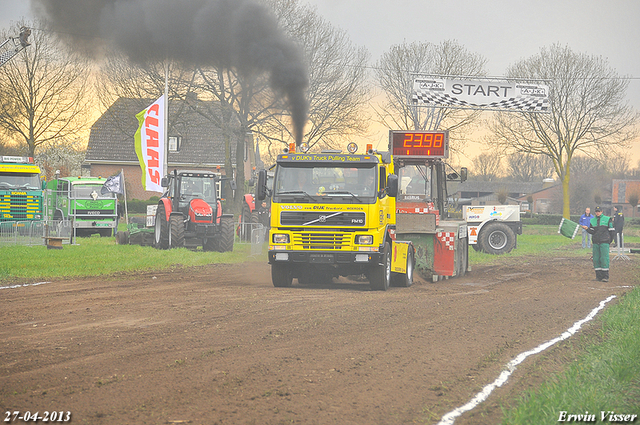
618, 224
601, 229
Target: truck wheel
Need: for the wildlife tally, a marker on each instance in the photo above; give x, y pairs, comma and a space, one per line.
226, 236
281, 275
463, 257
405, 279
162, 229
177, 230
380, 275
496, 238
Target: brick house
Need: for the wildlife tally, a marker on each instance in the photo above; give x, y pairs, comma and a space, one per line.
194, 142
545, 200
621, 190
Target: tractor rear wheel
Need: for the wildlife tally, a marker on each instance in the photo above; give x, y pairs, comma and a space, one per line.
161, 229
177, 230
245, 229
226, 236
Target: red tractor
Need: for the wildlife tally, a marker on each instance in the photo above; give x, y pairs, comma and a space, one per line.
189, 214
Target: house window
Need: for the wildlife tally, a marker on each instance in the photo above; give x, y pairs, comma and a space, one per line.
174, 143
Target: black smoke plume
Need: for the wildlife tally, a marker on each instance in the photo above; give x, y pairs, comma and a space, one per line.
235, 34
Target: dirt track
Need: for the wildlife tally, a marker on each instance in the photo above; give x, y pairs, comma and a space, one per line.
220, 345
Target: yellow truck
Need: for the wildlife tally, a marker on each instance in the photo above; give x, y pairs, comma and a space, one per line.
333, 214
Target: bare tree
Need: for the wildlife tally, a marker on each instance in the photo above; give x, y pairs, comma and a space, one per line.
525, 167
338, 91
486, 166
43, 92
617, 163
588, 112
395, 72
62, 155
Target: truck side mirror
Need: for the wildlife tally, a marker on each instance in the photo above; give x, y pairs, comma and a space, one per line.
164, 182
261, 190
463, 174
392, 185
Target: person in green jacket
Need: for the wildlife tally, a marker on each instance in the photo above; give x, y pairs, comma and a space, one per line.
601, 229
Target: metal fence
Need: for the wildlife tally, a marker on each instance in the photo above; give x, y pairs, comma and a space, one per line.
22, 233
29, 233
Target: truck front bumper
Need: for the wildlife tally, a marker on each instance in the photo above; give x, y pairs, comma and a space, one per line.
324, 257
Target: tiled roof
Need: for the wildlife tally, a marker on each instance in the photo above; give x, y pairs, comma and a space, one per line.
112, 135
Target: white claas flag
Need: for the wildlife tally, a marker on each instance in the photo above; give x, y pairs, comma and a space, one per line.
150, 145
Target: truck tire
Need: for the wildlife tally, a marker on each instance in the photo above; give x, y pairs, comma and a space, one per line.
162, 229
281, 275
226, 236
380, 274
496, 238
463, 257
177, 230
405, 280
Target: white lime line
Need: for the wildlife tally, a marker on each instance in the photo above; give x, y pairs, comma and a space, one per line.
22, 286
450, 417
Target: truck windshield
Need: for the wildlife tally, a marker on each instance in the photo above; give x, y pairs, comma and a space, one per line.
325, 184
86, 191
22, 181
415, 182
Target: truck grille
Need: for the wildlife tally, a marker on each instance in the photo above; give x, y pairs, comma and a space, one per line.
321, 240
13, 206
323, 218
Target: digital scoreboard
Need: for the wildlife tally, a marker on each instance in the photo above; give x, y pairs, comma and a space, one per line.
419, 144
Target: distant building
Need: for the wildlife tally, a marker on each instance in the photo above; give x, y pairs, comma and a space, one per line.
621, 191
472, 192
195, 142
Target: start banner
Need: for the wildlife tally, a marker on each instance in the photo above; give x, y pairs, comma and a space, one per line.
150, 146
486, 94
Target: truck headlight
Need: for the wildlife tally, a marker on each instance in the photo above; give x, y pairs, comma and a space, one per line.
364, 239
280, 238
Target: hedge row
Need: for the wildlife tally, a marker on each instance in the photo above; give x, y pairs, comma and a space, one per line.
139, 206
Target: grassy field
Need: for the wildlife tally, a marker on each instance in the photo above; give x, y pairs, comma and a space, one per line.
545, 241
97, 256
606, 376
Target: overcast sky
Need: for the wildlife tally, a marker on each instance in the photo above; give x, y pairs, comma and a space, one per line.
503, 31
